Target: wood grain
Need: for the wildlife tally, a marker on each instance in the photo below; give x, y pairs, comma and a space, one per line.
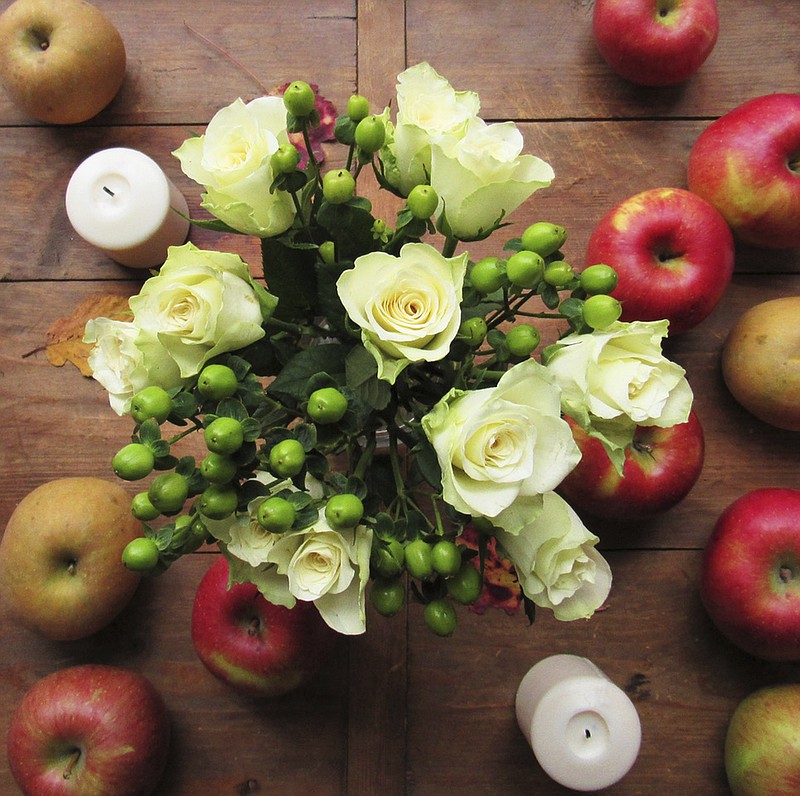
399, 711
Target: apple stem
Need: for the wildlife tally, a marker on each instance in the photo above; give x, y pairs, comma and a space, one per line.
254, 626
786, 574
73, 761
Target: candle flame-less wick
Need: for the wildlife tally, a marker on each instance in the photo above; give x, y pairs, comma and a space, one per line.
108, 190
588, 733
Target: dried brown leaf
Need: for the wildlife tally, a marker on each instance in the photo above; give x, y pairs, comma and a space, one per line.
65, 336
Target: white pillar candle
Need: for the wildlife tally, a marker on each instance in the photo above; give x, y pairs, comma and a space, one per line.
121, 201
583, 729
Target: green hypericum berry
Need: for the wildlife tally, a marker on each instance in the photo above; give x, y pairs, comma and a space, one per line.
440, 617
422, 201
142, 508
473, 331
522, 339
338, 186
327, 251
357, 107
224, 435
151, 403
445, 557
218, 469
387, 595
344, 511
140, 555
299, 98
598, 278
284, 159
525, 268
387, 559
466, 585
544, 238
486, 275
418, 559
218, 501
370, 134
133, 462
276, 515
168, 492
326, 405
558, 273
286, 458
601, 311
217, 382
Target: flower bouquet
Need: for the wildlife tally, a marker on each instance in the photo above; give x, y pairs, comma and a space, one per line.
380, 417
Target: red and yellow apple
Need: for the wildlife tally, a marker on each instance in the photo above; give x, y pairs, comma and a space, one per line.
61, 570
256, 647
60, 62
673, 254
762, 743
655, 42
750, 579
661, 467
89, 729
747, 164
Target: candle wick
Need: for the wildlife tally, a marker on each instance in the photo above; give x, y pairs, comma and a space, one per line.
108, 190
588, 733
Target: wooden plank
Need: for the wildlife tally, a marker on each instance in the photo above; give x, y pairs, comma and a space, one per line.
654, 640
539, 60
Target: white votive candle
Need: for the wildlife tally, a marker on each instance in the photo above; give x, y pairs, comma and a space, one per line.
121, 201
583, 729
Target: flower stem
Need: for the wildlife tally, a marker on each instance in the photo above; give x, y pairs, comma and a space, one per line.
449, 247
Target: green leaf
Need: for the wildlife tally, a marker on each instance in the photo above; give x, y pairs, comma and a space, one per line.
362, 378
149, 432
292, 381
232, 407
306, 435
251, 429
185, 466
290, 276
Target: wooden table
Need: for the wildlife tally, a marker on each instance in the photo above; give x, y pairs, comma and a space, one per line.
399, 710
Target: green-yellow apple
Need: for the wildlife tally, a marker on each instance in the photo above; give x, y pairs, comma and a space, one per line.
673, 254
89, 730
256, 647
760, 361
661, 467
655, 42
61, 61
762, 743
747, 164
61, 570
750, 579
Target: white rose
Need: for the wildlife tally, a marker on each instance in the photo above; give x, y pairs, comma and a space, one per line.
118, 364
201, 304
615, 379
232, 162
408, 307
428, 108
482, 177
556, 561
503, 443
329, 568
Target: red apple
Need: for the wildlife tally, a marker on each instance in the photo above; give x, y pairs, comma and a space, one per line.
89, 730
258, 648
673, 253
655, 42
762, 745
60, 62
661, 467
750, 583
747, 164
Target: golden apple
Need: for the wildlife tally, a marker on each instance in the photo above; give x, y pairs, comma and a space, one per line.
61, 61
61, 570
761, 362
